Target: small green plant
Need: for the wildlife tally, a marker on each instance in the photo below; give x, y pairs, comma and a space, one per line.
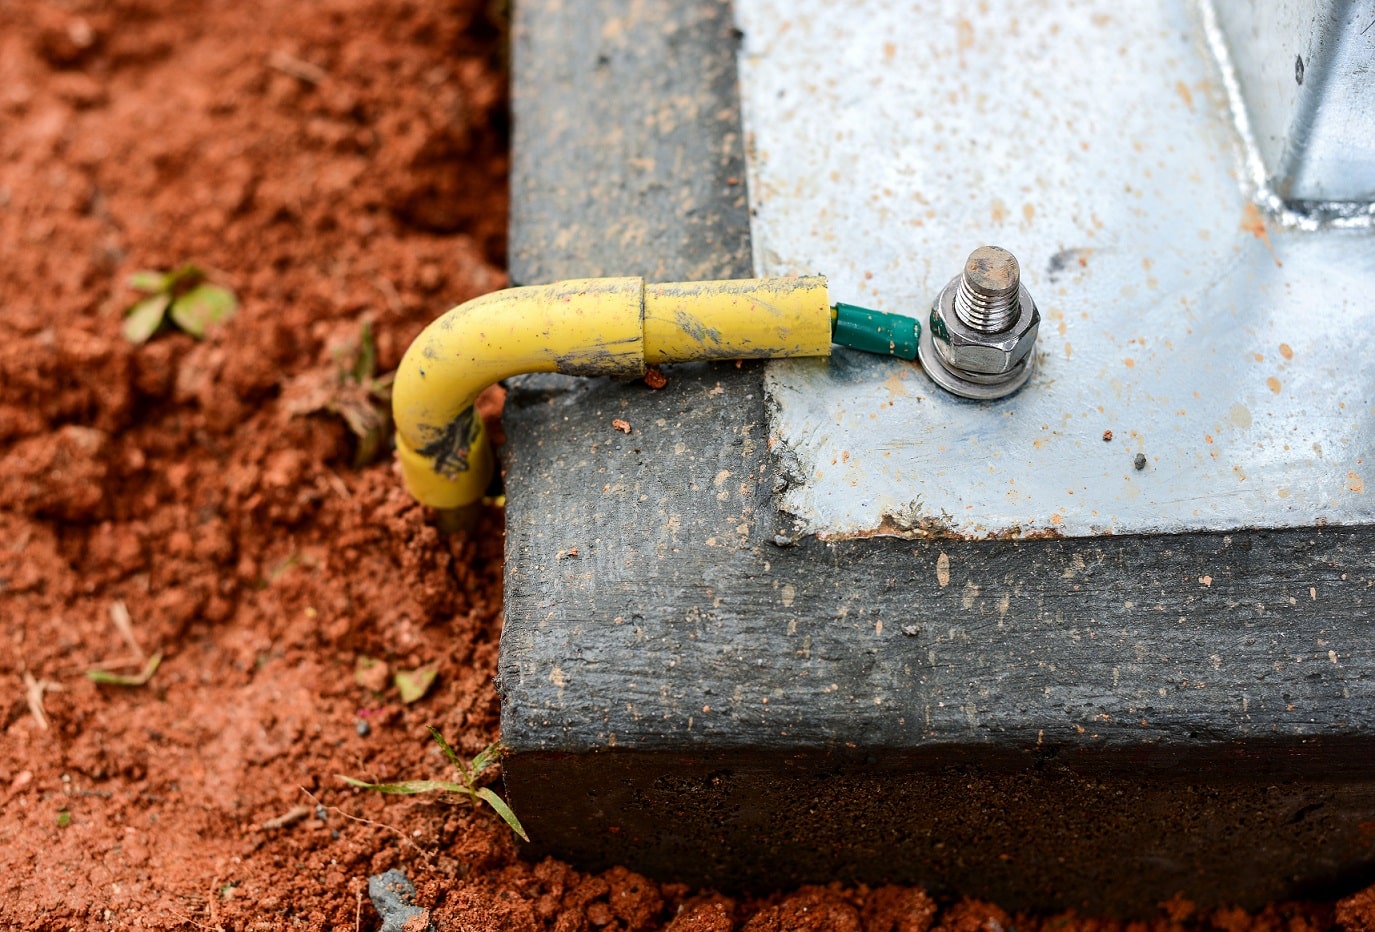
64, 818
352, 391
182, 296
469, 772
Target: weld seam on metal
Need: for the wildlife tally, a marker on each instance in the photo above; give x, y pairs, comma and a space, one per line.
1306, 215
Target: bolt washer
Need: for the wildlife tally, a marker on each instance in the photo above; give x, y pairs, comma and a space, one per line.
965, 383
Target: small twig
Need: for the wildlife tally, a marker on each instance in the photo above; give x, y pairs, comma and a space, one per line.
199, 925
33, 695
358, 908
210, 902
391, 828
302, 70
290, 817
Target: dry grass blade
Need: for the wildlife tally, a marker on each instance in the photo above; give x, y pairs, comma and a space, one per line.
33, 696
406, 788
297, 68
124, 623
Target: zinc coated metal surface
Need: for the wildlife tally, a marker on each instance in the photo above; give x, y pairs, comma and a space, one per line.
887, 140
1303, 68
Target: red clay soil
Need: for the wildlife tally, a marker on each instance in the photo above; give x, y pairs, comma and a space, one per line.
332, 162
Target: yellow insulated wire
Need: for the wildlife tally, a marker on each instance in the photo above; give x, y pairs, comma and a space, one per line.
603, 326
751, 319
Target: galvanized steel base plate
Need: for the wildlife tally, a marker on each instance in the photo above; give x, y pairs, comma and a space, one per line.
1227, 357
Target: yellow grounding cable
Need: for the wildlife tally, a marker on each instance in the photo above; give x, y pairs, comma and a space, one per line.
601, 326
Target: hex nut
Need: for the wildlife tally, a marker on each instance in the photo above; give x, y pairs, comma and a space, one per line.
982, 356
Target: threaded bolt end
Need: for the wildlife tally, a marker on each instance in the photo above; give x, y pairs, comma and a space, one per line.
987, 299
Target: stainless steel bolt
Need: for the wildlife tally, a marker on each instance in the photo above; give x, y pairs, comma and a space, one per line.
987, 297
982, 331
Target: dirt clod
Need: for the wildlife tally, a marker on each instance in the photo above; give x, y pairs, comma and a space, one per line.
1357, 913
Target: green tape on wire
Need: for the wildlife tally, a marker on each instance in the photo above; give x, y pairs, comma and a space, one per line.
874, 331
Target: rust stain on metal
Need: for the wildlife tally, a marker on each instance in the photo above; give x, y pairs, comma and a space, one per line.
942, 527
1253, 222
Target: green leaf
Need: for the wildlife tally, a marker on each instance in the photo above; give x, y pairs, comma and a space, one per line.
369, 446
106, 678
408, 788
145, 317
370, 424
503, 810
202, 306
150, 281
414, 684
64, 818
365, 363
448, 751
186, 274
486, 758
